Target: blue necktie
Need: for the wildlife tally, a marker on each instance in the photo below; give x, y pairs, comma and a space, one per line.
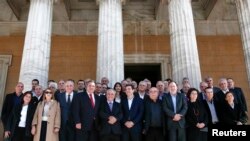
110, 106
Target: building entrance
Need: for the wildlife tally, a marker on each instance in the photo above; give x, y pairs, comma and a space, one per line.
140, 71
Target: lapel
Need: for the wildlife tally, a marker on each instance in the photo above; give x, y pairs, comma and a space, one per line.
170, 101
64, 99
133, 103
108, 109
96, 101
126, 104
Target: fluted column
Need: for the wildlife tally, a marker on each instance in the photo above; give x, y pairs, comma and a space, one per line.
110, 61
36, 51
184, 53
243, 11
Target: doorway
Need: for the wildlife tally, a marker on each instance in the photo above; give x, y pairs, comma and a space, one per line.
140, 71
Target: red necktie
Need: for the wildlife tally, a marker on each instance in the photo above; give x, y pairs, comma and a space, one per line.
91, 100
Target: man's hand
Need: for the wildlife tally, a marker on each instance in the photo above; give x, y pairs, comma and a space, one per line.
79, 126
129, 124
177, 117
112, 120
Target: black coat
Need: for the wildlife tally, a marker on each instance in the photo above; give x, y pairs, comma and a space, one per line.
8, 106
104, 114
84, 113
15, 116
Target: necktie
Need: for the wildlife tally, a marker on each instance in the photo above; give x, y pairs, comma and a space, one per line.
68, 101
91, 100
110, 106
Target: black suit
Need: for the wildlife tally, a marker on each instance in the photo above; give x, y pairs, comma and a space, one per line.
67, 130
220, 96
181, 108
14, 119
134, 114
110, 131
216, 89
84, 113
217, 107
8, 105
35, 100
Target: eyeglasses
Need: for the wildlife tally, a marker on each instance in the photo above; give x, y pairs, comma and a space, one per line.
48, 92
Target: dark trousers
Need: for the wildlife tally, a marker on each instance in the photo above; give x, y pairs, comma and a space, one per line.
155, 134
86, 135
43, 131
177, 134
127, 135
110, 137
19, 135
67, 133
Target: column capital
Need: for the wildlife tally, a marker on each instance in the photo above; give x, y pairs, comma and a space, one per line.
122, 1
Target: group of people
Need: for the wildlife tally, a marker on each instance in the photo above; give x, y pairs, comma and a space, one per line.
126, 112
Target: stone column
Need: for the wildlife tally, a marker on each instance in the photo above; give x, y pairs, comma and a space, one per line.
36, 51
243, 11
184, 53
110, 60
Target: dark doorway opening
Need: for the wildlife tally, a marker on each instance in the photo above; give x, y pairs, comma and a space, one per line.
139, 72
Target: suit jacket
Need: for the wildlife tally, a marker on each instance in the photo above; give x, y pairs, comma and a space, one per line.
218, 112
15, 116
84, 113
134, 114
35, 100
181, 108
220, 96
66, 111
146, 96
104, 114
216, 89
8, 106
200, 96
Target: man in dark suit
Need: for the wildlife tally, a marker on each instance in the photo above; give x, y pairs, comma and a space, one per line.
110, 116
220, 95
141, 93
85, 113
34, 83
132, 108
67, 130
202, 95
175, 108
212, 106
210, 83
10, 101
37, 95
